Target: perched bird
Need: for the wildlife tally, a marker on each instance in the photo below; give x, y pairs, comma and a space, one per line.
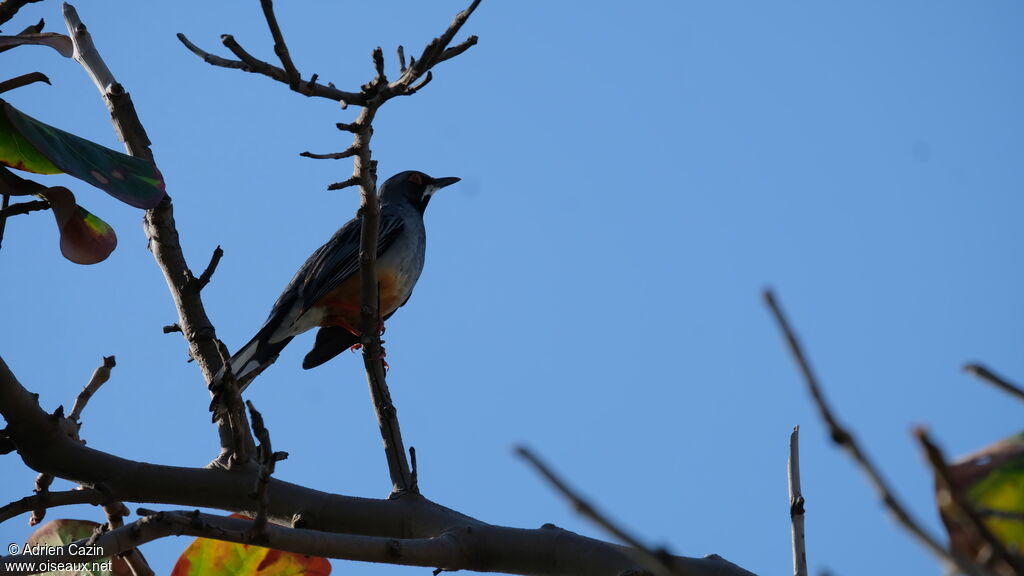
325, 292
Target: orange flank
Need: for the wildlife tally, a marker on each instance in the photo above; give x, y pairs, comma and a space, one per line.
341, 305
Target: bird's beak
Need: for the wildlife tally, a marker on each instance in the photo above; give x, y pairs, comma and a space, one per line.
436, 184
442, 182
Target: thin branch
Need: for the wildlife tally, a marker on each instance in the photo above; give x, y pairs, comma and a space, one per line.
23, 80
207, 274
846, 440
999, 559
53, 500
657, 560
158, 222
7, 209
42, 490
212, 58
309, 88
10, 7
99, 376
280, 48
996, 380
348, 153
43, 481
227, 406
5, 203
268, 460
796, 505
353, 181
435, 49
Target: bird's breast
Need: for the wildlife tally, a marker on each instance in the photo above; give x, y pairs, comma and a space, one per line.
398, 269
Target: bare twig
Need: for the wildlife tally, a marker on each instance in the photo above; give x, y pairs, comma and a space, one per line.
42, 490
5, 202
44, 480
656, 560
251, 64
353, 181
796, 505
52, 500
280, 48
992, 553
99, 376
846, 440
996, 380
23, 80
8, 210
207, 274
332, 156
8, 8
227, 405
268, 460
401, 59
212, 58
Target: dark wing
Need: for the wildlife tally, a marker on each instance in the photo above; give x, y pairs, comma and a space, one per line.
338, 259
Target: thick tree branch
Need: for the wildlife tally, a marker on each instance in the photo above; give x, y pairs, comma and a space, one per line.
159, 222
545, 551
846, 440
45, 448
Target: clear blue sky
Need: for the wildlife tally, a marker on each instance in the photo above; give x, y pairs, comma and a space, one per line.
633, 175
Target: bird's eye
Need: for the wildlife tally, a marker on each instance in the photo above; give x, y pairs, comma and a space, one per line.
416, 178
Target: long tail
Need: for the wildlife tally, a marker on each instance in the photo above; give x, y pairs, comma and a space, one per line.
254, 357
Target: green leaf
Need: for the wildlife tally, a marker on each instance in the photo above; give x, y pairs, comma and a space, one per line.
64, 532
131, 180
993, 480
205, 557
17, 152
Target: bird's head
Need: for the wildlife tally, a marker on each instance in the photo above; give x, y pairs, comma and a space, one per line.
413, 187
